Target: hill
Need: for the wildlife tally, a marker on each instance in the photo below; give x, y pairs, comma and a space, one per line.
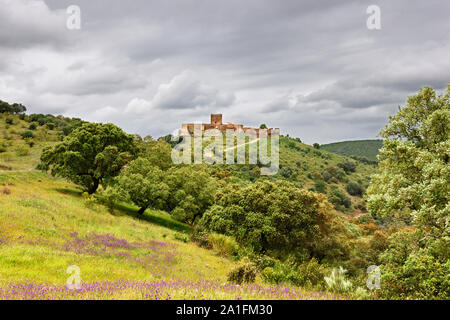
47, 224
317, 170
359, 148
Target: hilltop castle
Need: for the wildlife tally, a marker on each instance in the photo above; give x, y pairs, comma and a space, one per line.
216, 123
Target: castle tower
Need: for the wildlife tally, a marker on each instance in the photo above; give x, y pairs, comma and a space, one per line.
216, 120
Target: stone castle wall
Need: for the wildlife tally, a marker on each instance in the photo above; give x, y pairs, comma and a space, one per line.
216, 123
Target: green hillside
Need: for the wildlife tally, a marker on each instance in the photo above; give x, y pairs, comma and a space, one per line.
359, 148
47, 224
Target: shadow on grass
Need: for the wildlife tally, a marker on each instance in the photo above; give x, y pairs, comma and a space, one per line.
71, 192
129, 210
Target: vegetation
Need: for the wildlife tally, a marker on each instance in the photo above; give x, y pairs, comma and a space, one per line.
119, 208
367, 149
142, 183
14, 108
90, 155
413, 186
277, 219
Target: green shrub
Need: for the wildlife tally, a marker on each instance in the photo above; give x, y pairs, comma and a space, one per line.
286, 172
27, 134
354, 188
50, 126
32, 126
411, 270
320, 186
244, 272
90, 201
267, 217
309, 274
347, 166
334, 172
326, 176
9, 121
339, 199
223, 245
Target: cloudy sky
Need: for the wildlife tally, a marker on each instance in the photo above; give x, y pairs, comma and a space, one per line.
311, 68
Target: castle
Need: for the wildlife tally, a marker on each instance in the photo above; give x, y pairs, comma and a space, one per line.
216, 123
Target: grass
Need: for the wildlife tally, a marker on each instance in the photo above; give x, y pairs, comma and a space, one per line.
43, 219
37, 218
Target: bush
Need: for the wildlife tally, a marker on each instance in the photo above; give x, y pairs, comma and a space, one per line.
347, 166
244, 272
339, 199
411, 270
326, 176
257, 216
320, 186
90, 201
9, 121
309, 274
337, 174
32, 126
286, 172
27, 134
354, 188
223, 245
50, 126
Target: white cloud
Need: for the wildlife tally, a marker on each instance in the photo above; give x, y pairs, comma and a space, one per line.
24, 23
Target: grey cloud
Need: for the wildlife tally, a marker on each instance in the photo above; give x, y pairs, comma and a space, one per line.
309, 67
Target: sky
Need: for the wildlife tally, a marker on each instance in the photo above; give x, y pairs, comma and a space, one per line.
311, 68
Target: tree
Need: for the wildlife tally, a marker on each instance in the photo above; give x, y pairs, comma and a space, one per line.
354, 188
143, 183
413, 185
158, 152
269, 217
316, 145
263, 126
92, 154
347, 166
192, 191
414, 170
12, 108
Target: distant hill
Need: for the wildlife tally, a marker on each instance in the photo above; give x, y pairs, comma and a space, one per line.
360, 148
